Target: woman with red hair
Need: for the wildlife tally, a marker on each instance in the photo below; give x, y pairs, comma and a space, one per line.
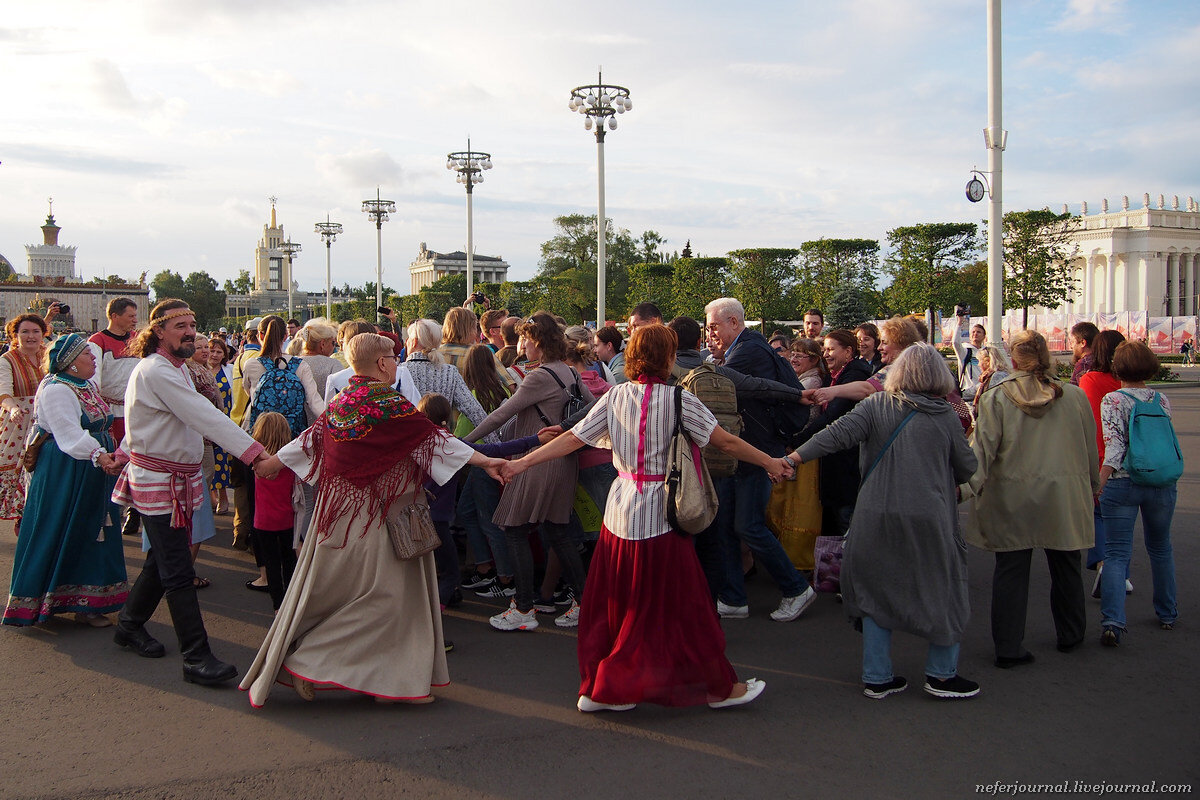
648, 630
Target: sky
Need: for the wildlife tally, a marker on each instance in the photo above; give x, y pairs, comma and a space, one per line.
161, 128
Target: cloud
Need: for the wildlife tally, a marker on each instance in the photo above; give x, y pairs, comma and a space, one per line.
80, 161
797, 73
1084, 15
359, 168
110, 87
272, 83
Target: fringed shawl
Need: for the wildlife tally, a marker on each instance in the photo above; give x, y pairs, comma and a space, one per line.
370, 448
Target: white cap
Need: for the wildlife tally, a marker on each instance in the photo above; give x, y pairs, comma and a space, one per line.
252, 324
223, 330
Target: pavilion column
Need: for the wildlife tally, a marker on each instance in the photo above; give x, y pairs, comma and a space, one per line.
1110, 283
1172, 284
1189, 284
1089, 285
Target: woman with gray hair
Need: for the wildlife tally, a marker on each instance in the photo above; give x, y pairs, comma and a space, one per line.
994, 367
905, 563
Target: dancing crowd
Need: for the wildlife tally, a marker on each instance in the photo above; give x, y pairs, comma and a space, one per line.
378, 475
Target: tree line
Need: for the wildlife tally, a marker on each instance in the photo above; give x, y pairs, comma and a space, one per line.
925, 267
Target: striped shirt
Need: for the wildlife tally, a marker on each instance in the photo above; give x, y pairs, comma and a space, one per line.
636, 421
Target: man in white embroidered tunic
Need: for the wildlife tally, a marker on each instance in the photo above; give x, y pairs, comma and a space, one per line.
163, 446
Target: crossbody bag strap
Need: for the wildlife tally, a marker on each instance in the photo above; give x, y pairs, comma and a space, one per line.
886, 445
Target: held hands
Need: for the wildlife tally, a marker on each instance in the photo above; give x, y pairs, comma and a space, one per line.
494, 468
265, 466
778, 470
822, 395
510, 470
109, 464
549, 434
806, 397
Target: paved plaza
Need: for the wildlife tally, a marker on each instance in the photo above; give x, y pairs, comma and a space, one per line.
85, 719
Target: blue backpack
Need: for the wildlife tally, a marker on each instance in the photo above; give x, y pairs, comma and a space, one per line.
1152, 456
280, 390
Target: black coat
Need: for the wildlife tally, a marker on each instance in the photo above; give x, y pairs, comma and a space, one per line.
839, 471
751, 355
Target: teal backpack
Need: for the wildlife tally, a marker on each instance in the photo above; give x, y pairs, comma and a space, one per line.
1152, 456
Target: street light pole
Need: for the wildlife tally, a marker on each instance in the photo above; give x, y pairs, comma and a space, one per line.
377, 211
469, 164
599, 102
995, 138
329, 232
291, 250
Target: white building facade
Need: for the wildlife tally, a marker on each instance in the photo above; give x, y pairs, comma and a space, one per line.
431, 266
1138, 259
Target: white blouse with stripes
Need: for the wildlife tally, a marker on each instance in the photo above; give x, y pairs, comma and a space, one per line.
636, 422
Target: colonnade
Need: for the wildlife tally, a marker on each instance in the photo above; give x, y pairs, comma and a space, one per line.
1164, 284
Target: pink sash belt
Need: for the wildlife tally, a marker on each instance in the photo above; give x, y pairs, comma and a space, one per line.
639, 478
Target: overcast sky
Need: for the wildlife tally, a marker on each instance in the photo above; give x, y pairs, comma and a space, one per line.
161, 128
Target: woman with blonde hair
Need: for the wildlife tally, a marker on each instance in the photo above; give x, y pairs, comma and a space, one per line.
356, 617
317, 341
459, 332
905, 567
1035, 487
432, 374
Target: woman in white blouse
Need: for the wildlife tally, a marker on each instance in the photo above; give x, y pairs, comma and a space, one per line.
648, 631
69, 556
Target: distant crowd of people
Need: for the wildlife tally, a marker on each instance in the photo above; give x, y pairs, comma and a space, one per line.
377, 476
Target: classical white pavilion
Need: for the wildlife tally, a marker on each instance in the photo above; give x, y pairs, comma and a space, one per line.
1138, 259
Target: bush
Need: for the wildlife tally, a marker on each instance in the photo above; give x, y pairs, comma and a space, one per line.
1166, 375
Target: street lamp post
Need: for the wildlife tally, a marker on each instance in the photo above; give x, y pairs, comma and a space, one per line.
469, 164
377, 211
329, 232
995, 137
291, 250
600, 103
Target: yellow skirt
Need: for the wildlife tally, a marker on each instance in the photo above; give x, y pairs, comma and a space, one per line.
794, 515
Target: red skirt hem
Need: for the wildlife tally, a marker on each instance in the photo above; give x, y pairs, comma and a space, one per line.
648, 629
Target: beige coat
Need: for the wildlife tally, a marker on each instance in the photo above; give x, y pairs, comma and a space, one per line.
1038, 469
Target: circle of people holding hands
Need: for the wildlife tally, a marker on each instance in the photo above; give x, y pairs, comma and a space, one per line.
360, 459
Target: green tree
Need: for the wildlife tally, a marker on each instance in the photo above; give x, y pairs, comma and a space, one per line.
573, 250
1038, 249
696, 282
825, 265
973, 280
202, 294
652, 283
848, 306
648, 247
924, 262
762, 278
242, 284
167, 284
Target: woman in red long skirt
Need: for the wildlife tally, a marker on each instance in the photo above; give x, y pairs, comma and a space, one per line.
648, 630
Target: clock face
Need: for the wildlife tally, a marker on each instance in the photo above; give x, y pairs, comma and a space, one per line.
975, 190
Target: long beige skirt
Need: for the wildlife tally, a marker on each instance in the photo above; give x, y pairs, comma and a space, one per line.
355, 618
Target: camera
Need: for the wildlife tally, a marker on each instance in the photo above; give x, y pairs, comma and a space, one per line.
384, 310
63, 308
962, 310
478, 297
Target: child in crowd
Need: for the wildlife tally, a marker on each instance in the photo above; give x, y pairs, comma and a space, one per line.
274, 509
441, 502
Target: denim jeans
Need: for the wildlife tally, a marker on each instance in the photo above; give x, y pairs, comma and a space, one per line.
1120, 503
941, 661
476, 505
1095, 554
748, 495
445, 559
711, 542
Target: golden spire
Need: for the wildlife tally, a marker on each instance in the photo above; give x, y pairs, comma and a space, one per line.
272, 198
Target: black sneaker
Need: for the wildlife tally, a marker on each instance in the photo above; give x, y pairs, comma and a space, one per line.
878, 691
564, 598
951, 688
1111, 636
495, 588
545, 606
478, 579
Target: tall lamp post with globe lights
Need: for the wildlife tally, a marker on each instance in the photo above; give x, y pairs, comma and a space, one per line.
291, 250
469, 164
329, 232
377, 211
599, 103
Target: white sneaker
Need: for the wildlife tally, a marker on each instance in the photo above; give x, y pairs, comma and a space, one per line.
792, 607
1128, 586
732, 612
514, 620
590, 706
569, 619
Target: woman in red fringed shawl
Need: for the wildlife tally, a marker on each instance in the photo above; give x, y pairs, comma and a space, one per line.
356, 617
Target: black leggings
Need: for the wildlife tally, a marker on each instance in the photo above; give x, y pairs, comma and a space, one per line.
274, 552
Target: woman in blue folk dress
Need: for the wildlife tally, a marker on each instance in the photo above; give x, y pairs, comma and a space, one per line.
69, 556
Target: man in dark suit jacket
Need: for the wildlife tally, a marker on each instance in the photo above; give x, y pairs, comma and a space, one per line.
746, 351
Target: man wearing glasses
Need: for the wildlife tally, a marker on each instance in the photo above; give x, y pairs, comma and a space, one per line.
492, 324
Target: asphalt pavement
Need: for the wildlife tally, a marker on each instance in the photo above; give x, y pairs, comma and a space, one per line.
82, 718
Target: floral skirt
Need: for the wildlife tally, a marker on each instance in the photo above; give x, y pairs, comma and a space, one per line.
648, 630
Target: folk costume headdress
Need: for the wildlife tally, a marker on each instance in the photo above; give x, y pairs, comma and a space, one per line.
370, 447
